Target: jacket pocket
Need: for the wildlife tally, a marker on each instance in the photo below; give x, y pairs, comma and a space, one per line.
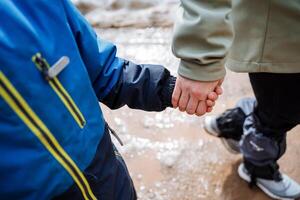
58, 88
19, 105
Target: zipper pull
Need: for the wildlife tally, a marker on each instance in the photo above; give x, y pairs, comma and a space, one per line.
60, 65
47, 71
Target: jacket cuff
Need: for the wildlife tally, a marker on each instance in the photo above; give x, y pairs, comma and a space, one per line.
194, 71
167, 91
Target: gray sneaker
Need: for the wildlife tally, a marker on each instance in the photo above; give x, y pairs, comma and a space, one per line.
210, 126
228, 126
285, 189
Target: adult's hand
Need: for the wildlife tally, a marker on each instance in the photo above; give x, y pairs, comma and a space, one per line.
191, 96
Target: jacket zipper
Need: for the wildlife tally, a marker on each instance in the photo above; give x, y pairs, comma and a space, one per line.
18, 104
56, 85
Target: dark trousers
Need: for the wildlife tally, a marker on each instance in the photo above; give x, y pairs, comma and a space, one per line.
276, 112
107, 175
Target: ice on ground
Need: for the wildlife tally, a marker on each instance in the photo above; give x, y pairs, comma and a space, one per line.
167, 152
164, 120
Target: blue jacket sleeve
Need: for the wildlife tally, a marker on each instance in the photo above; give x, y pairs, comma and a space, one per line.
99, 56
117, 82
146, 87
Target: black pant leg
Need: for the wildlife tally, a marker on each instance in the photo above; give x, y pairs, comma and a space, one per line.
278, 101
277, 111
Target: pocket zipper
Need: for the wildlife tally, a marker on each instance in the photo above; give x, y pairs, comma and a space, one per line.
50, 75
19, 105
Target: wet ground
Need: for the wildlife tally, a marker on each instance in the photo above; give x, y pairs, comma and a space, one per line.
169, 155
128, 13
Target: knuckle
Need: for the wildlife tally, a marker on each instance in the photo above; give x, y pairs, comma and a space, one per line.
174, 98
200, 111
212, 95
211, 103
190, 111
181, 109
198, 114
200, 95
184, 87
196, 92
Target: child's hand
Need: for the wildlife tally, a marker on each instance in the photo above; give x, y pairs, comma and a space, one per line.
212, 97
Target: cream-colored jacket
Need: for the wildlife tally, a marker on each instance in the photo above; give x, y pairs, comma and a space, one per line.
256, 36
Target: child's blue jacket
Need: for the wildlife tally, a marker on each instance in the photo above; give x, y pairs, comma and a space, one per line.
50, 119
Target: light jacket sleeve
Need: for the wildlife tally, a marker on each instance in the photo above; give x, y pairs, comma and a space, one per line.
116, 81
202, 37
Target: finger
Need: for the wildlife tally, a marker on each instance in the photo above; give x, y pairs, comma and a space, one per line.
183, 101
209, 109
212, 96
198, 94
219, 90
176, 96
201, 109
210, 103
192, 106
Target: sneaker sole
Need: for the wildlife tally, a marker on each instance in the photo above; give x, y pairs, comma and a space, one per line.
246, 178
223, 140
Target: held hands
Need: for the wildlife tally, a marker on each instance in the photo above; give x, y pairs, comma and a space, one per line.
196, 97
